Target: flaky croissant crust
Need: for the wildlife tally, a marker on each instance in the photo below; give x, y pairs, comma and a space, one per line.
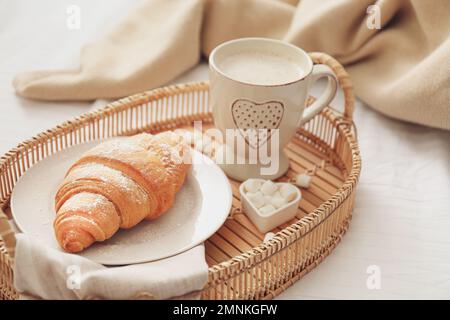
116, 185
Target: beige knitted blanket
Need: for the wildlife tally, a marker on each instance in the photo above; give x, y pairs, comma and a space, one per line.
397, 51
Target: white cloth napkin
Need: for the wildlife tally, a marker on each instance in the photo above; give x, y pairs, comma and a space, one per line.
46, 273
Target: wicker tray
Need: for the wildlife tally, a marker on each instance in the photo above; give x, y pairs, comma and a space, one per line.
242, 266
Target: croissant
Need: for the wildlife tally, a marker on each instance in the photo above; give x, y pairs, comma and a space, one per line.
116, 185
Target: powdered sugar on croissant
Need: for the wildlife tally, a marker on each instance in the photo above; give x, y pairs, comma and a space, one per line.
116, 185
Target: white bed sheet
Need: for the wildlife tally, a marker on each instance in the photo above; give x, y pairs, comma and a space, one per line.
401, 220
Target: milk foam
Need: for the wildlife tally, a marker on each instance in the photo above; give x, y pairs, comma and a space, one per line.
261, 68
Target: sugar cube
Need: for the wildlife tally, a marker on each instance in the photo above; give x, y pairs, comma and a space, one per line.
268, 188
303, 180
252, 185
268, 236
288, 192
256, 198
278, 202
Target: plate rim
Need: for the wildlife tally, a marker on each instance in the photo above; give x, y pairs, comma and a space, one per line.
227, 194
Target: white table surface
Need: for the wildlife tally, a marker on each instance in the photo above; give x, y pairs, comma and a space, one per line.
401, 219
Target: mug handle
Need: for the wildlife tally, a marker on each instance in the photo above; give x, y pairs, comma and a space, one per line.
320, 71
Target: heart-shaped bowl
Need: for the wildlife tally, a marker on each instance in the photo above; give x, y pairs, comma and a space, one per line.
267, 222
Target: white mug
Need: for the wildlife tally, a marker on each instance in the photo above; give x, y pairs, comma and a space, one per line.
273, 100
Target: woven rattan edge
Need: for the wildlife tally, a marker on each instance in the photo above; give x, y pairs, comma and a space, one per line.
256, 255
227, 269
113, 107
309, 268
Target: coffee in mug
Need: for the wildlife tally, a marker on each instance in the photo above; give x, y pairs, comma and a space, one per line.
258, 91
261, 68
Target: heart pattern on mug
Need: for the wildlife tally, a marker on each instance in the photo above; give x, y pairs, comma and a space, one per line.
256, 121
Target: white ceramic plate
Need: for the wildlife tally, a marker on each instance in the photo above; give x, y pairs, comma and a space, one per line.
201, 207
